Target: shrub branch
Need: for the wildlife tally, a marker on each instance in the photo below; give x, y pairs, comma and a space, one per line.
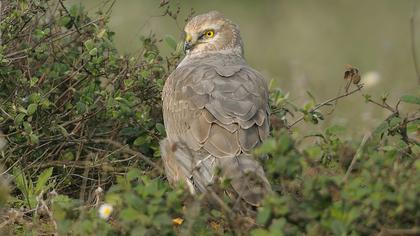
326, 103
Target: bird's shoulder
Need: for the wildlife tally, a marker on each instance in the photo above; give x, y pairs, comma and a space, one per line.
221, 107
215, 73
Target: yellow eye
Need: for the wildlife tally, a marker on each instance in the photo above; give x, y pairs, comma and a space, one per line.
209, 34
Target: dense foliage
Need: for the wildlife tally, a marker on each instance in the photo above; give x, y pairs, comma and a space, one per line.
80, 126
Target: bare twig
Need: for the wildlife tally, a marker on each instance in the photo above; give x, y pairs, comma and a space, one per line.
412, 231
42, 206
68, 13
327, 102
13, 216
356, 156
84, 184
125, 148
413, 119
53, 38
384, 105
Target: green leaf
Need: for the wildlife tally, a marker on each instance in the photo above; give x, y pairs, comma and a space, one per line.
68, 156
216, 213
380, 129
27, 127
33, 81
34, 97
413, 126
367, 97
389, 148
20, 180
140, 141
101, 33
171, 42
335, 130
128, 82
285, 143
311, 96
338, 227
410, 99
75, 10
33, 138
385, 96
89, 44
133, 174
22, 110
64, 21
394, 122
32, 108
129, 215
264, 215
160, 128
260, 232
93, 52
417, 164
308, 106
268, 146
38, 33
42, 180
19, 118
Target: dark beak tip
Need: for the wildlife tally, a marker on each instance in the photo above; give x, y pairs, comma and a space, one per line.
187, 46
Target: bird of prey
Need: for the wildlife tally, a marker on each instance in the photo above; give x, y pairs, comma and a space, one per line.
215, 110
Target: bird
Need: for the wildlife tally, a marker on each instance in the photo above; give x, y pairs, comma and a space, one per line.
215, 111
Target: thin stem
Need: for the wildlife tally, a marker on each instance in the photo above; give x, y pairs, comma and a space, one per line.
385, 106
358, 154
327, 102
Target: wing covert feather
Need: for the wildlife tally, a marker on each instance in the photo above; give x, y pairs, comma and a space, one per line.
219, 108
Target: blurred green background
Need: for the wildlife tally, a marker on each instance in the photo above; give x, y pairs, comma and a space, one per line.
301, 44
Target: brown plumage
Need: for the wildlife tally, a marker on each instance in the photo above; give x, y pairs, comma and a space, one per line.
216, 111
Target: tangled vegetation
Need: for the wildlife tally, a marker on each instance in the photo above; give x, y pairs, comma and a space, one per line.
80, 126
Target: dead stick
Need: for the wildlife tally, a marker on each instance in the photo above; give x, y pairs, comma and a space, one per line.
356, 156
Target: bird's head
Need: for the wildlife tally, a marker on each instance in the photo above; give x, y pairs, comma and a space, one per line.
211, 33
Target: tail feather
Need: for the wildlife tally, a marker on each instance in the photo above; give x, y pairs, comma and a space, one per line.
198, 170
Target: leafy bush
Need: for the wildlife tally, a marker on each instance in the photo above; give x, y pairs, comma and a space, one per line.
81, 128
69, 100
381, 192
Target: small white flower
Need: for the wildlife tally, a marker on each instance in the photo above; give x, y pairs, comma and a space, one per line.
371, 79
105, 211
99, 191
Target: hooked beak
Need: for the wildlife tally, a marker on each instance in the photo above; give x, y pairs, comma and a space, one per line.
188, 44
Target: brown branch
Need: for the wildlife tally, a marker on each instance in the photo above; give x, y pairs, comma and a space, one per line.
53, 38
327, 102
412, 231
385, 106
413, 119
356, 156
73, 164
71, 17
126, 149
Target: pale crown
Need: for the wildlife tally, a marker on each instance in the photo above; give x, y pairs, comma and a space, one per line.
212, 33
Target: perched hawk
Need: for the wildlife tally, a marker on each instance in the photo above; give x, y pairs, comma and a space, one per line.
215, 109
